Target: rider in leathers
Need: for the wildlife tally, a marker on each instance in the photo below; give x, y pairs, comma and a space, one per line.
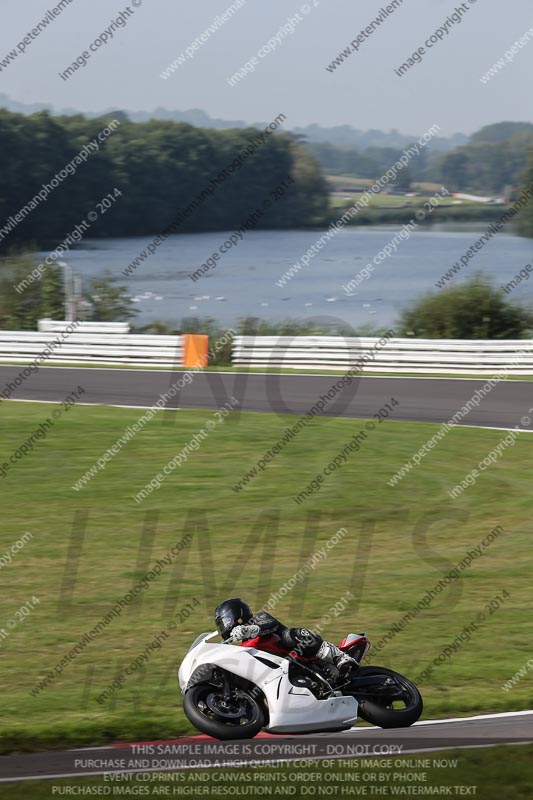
235, 620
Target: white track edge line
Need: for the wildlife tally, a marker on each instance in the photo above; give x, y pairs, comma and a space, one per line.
499, 715
181, 369
252, 411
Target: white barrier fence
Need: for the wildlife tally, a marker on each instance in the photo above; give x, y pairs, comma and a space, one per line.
424, 356
95, 346
100, 343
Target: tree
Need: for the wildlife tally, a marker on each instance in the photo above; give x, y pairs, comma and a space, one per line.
308, 198
471, 310
109, 302
19, 310
28, 294
501, 131
525, 216
494, 159
453, 169
52, 294
404, 180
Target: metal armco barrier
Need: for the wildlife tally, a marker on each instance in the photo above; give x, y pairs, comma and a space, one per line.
86, 348
424, 356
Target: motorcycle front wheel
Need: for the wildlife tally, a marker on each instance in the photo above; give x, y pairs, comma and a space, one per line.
210, 710
395, 703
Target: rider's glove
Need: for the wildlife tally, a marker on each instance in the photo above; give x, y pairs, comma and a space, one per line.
242, 632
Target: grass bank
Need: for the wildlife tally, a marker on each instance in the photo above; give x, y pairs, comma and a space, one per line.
90, 547
378, 215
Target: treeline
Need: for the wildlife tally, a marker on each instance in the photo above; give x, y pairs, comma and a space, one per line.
525, 218
370, 162
160, 167
492, 162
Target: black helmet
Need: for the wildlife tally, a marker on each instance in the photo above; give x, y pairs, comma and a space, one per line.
230, 613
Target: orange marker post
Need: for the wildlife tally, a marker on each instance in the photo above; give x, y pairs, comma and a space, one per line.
195, 350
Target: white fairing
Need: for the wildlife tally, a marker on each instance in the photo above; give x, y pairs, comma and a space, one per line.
292, 709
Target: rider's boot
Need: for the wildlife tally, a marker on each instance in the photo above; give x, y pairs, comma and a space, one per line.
344, 663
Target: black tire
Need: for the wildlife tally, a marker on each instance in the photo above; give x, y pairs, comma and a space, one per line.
379, 710
200, 705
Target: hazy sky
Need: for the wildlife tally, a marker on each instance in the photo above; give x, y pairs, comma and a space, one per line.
445, 88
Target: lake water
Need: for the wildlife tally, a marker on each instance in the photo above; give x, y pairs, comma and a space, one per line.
243, 281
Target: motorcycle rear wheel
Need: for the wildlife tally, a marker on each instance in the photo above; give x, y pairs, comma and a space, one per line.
207, 708
378, 708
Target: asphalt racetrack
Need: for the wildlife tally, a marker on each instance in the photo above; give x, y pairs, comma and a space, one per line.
201, 752
506, 405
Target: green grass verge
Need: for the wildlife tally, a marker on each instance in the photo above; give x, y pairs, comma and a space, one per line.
400, 542
379, 215
381, 201
494, 773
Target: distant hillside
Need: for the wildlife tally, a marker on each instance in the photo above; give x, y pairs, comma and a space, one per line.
346, 137
343, 136
501, 131
194, 116
490, 161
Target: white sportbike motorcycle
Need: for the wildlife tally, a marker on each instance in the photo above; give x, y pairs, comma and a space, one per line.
235, 692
